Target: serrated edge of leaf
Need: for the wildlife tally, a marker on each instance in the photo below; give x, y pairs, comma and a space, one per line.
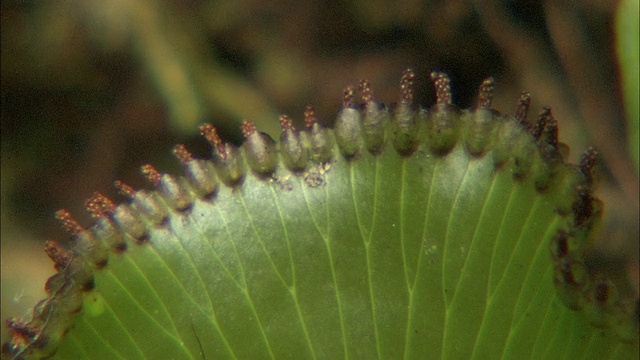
524, 148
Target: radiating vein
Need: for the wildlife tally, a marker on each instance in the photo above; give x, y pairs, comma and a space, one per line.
455, 202
473, 247
402, 215
518, 244
411, 298
492, 308
498, 237
154, 292
327, 244
293, 292
203, 235
144, 311
249, 218
195, 268
124, 329
444, 262
544, 324
474, 237
246, 292
368, 261
511, 341
322, 232
403, 171
200, 231
539, 252
493, 244
154, 251
427, 215
82, 348
101, 339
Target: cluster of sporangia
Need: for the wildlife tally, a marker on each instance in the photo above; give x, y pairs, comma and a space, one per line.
527, 149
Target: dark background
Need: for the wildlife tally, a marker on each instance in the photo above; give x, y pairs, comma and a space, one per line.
91, 90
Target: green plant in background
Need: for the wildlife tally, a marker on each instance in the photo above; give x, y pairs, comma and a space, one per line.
627, 30
402, 233
459, 185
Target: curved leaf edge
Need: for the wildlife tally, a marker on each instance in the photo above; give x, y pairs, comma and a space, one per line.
526, 149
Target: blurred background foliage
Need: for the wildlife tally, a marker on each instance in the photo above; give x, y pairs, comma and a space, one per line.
93, 89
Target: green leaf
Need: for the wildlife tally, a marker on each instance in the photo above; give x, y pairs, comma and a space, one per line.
425, 250
627, 46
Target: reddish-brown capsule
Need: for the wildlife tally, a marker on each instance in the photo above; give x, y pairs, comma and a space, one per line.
443, 122
375, 117
130, 223
348, 126
259, 150
292, 148
321, 143
59, 255
405, 119
199, 173
478, 131
171, 188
